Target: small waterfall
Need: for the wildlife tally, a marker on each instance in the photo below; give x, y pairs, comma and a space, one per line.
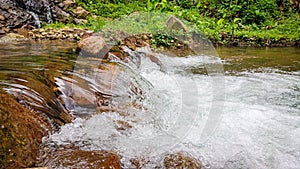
38, 10
110, 85
37, 21
49, 14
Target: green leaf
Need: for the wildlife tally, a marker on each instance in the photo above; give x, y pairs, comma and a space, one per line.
235, 20
220, 21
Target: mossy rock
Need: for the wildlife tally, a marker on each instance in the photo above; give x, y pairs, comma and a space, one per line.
21, 132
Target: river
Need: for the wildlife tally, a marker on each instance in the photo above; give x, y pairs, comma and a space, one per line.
245, 114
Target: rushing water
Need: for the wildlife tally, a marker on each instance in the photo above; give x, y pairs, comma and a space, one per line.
257, 126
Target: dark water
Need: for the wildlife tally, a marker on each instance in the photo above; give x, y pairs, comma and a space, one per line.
260, 124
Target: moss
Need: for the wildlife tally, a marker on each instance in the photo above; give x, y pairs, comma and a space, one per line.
20, 134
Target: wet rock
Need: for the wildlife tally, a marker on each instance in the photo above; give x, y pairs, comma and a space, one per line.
24, 12
75, 158
139, 163
21, 134
122, 125
80, 12
15, 14
93, 46
181, 161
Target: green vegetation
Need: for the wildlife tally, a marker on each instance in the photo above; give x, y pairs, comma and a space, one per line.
223, 21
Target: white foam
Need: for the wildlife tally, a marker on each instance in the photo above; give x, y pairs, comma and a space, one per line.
259, 128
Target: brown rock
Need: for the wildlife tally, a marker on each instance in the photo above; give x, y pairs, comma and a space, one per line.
68, 3
139, 163
6, 30
2, 18
22, 31
2, 32
21, 133
122, 125
80, 12
75, 158
181, 161
93, 46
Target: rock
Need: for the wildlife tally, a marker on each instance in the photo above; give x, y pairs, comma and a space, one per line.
21, 134
122, 125
2, 32
33, 12
93, 46
16, 17
60, 5
80, 12
75, 158
68, 3
176, 24
59, 14
11, 37
6, 30
80, 21
15, 13
22, 31
181, 161
2, 18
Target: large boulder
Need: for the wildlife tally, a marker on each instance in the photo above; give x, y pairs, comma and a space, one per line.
93, 46
21, 133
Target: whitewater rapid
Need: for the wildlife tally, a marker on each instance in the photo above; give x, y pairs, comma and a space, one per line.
242, 120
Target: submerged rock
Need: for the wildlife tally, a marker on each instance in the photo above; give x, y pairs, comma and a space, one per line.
75, 158
181, 161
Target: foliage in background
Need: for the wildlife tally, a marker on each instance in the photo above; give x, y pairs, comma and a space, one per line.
218, 19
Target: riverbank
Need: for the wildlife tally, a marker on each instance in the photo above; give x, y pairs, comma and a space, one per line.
75, 34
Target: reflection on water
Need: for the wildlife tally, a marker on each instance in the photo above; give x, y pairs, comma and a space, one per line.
260, 126
255, 59
28, 69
